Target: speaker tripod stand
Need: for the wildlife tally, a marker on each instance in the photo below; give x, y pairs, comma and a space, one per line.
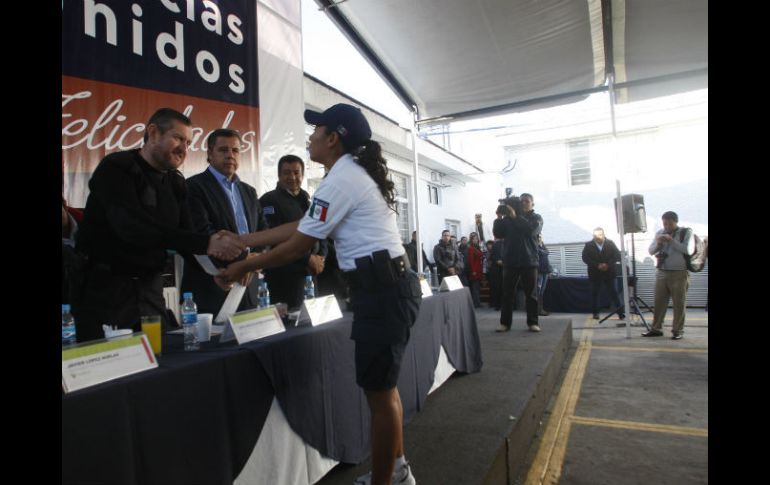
635, 300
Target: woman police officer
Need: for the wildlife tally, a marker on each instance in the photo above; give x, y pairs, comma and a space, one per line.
354, 205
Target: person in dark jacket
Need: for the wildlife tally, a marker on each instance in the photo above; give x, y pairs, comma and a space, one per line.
137, 210
218, 199
520, 260
495, 272
543, 270
601, 254
288, 203
445, 256
411, 252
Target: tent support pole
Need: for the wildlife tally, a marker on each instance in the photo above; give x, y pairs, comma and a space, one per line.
623, 255
415, 185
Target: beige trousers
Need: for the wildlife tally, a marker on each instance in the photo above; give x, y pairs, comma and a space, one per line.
673, 285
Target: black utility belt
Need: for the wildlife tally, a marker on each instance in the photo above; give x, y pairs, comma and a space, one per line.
377, 271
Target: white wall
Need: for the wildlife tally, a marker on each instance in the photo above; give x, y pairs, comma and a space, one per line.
667, 166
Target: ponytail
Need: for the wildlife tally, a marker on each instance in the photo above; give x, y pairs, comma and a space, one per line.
369, 156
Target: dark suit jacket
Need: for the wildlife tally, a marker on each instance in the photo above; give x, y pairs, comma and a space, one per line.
592, 257
211, 211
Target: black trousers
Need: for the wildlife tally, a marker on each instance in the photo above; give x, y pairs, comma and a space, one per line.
286, 287
494, 276
596, 286
120, 300
511, 279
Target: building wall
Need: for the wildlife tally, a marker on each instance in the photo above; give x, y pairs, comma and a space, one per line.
666, 165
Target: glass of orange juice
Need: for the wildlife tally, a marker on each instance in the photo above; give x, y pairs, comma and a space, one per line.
151, 327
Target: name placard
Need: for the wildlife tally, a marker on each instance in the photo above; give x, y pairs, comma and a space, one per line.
93, 363
451, 283
426, 291
250, 325
319, 310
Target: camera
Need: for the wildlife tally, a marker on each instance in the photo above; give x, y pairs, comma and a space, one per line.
513, 201
661, 257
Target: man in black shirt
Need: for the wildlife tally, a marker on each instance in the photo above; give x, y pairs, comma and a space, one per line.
411, 252
135, 211
289, 203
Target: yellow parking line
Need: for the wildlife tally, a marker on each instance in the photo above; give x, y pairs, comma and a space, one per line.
650, 349
547, 465
635, 425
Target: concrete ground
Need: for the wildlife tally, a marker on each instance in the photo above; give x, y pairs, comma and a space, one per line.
627, 410
579, 403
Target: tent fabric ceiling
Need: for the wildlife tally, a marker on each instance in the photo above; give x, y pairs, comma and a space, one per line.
455, 56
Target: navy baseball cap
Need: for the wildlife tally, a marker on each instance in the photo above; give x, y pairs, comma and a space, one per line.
346, 120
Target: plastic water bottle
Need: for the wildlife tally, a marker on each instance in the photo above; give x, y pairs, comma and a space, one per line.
67, 326
426, 273
264, 295
190, 322
309, 288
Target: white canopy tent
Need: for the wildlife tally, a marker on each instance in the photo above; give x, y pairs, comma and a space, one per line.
460, 59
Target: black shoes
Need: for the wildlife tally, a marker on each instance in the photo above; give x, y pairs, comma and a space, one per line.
677, 336
596, 316
653, 333
622, 316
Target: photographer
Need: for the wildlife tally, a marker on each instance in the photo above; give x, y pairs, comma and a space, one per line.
521, 229
672, 279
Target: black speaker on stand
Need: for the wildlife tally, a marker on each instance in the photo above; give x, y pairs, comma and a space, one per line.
634, 215
634, 220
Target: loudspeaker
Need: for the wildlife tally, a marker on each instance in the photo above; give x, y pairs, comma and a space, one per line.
634, 215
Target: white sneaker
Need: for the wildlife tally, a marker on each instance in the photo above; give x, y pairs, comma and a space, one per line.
534, 328
402, 476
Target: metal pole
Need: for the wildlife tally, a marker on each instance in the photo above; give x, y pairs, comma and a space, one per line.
623, 270
416, 198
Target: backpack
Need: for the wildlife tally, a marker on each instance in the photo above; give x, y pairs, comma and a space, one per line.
697, 260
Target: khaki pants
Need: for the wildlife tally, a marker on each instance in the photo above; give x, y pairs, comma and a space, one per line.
674, 285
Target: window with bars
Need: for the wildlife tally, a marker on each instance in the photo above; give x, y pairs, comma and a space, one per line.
401, 186
579, 162
433, 194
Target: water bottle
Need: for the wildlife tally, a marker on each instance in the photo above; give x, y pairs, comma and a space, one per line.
309, 288
264, 295
426, 273
67, 326
190, 322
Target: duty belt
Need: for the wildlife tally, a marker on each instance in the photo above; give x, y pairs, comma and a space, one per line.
358, 279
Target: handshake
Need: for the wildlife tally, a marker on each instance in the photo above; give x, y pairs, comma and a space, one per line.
225, 246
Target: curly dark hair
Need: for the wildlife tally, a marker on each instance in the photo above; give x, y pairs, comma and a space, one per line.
369, 156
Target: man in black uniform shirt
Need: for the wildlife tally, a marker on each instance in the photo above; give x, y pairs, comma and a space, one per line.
218, 199
289, 203
135, 211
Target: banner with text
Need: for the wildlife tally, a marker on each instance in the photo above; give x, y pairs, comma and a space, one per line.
121, 61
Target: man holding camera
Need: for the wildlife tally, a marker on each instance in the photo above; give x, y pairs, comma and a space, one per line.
521, 230
672, 278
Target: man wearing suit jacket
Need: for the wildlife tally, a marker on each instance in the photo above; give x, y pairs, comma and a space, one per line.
218, 199
601, 254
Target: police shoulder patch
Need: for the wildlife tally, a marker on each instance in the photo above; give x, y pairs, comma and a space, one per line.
318, 209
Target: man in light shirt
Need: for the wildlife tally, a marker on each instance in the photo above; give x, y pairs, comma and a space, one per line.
672, 278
